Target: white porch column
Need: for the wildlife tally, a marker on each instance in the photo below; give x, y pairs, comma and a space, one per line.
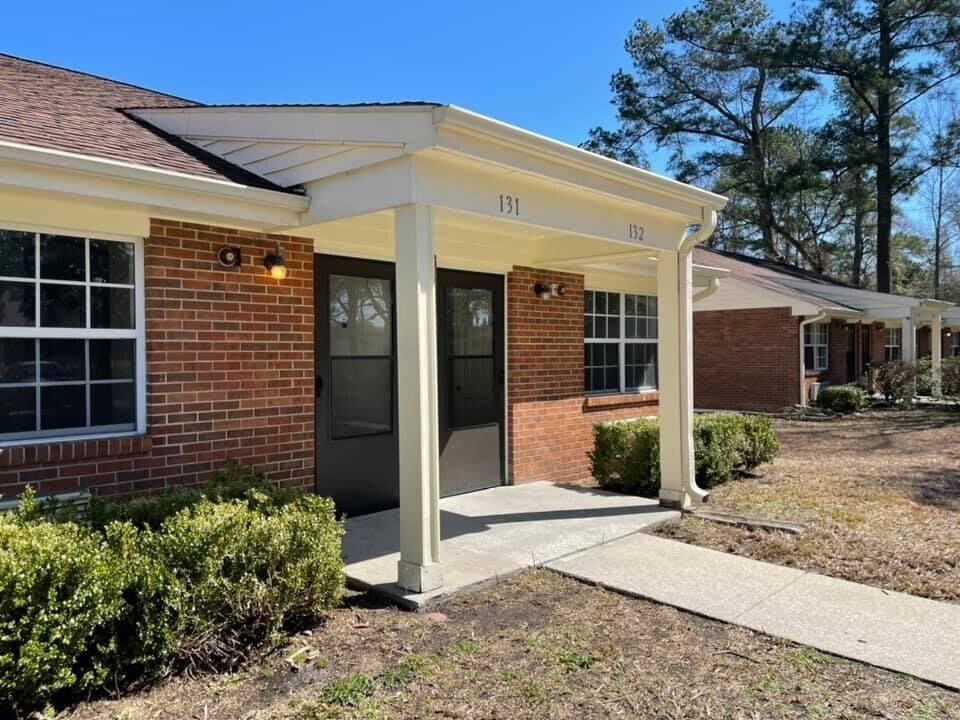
419, 567
678, 487
936, 352
908, 340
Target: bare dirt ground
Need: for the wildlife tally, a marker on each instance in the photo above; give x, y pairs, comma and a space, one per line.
880, 493
537, 646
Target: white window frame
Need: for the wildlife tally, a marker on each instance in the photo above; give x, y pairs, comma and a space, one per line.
811, 339
622, 341
137, 333
896, 334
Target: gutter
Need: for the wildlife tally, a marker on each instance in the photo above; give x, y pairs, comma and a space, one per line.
803, 366
133, 179
707, 291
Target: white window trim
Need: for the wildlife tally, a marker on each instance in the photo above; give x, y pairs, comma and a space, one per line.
622, 341
138, 333
813, 327
898, 334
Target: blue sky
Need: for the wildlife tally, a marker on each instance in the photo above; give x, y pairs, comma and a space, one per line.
542, 65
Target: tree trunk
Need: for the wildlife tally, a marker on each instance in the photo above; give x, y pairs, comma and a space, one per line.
884, 171
856, 272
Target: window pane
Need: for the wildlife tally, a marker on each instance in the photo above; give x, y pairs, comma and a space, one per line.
112, 404
111, 262
808, 357
112, 307
111, 359
17, 256
62, 258
588, 327
588, 301
631, 305
601, 367
361, 396
17, 360
360, 311
62, 360
470, 317
472, 400
63, 406
640, 368
18, 409
630, 329
17, 304
613, 304
62, 306
613, 327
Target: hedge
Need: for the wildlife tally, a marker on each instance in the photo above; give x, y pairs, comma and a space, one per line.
85, 607
843, 398
626, 455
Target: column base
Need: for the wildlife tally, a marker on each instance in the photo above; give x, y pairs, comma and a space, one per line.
682, 499
419, 578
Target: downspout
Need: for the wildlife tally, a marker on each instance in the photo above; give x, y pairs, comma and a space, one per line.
702, 233
803, 364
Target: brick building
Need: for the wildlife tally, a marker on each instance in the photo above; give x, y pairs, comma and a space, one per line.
381, 303
771, 334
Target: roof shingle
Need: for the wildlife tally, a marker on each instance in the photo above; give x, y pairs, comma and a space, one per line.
70, 111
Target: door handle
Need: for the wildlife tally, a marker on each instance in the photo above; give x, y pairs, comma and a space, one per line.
318, 387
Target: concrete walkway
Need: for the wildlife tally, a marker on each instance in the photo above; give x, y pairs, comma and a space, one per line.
493, 533
888, 629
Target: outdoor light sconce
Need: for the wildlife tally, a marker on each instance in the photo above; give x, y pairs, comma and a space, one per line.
545, 291
275, 264
229, 257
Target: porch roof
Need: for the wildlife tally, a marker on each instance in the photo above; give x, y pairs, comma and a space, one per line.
489, 182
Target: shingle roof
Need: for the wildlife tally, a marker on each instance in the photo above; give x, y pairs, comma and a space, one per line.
769, 274
66, 110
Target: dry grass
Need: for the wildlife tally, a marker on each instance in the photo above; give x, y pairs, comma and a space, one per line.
539, 646
880, 492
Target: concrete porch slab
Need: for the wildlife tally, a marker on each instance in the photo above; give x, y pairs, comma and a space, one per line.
490, 534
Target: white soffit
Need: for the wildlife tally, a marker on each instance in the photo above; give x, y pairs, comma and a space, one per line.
294, 145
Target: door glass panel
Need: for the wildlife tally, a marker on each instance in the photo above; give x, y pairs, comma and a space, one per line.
470, 321
360, 316
361, 396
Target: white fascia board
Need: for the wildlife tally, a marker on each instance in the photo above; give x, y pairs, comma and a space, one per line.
28, 166
409, 126
485, 129
735, 294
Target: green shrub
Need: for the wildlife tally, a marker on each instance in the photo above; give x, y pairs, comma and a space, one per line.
233, 482
843, 398
761, 444
923, 376
626, 455
245, 569
950, 376
895, 381
85, 607
78, 610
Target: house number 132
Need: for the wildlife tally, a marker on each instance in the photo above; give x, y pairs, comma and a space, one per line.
509, 205
635, 232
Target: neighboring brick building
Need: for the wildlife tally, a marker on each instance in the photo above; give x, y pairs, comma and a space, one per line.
751, 333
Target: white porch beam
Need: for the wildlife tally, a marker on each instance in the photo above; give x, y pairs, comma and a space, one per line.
936, 352
678, 486
419, 566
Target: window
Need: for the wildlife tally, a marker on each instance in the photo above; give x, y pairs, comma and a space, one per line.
71, 335
892, 338
815, 352
620, 342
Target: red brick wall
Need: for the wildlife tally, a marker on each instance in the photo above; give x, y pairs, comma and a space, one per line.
229, 373
550, 420
746, 359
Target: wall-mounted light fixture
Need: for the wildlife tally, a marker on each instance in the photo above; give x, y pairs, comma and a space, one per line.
545, 291
229, 257
275, 264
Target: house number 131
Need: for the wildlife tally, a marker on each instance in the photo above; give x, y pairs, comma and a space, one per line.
509, 205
